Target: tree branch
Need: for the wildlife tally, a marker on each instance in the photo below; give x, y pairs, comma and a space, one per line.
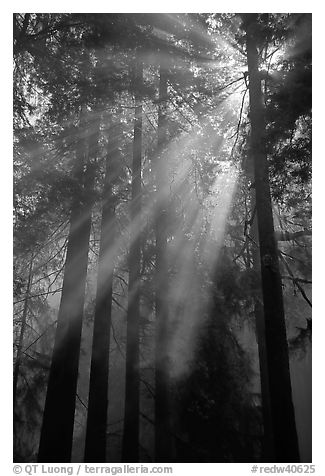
302, 291
288, 236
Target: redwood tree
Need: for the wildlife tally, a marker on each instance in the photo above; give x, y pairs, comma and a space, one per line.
58, 418
268, 436
282, 410
95, 448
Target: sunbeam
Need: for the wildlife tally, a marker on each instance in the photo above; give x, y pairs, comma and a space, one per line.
158, 304
187, 305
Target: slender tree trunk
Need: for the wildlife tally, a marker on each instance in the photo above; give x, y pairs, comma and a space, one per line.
58, 419
162, 404
283, 417
130, 447
95, 449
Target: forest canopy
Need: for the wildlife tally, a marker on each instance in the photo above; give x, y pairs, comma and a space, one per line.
162, 237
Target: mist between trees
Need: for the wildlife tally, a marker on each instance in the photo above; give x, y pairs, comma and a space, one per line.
162, 237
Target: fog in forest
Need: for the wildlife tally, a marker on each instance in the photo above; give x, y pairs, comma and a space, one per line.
162, 238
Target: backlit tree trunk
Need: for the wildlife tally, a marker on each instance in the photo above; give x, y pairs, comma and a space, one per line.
283, 417
58, 418
95, 448
268, 437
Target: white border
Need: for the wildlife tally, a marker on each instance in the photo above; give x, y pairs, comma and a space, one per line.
318, 201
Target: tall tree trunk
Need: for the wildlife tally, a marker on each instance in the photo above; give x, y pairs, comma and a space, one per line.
162, 406
95, 449
130, 446
58, 419
268, 437
283, 417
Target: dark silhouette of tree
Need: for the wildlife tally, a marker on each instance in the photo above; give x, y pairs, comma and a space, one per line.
268, 437
95, 449
283, 418
218, 420
58, 418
